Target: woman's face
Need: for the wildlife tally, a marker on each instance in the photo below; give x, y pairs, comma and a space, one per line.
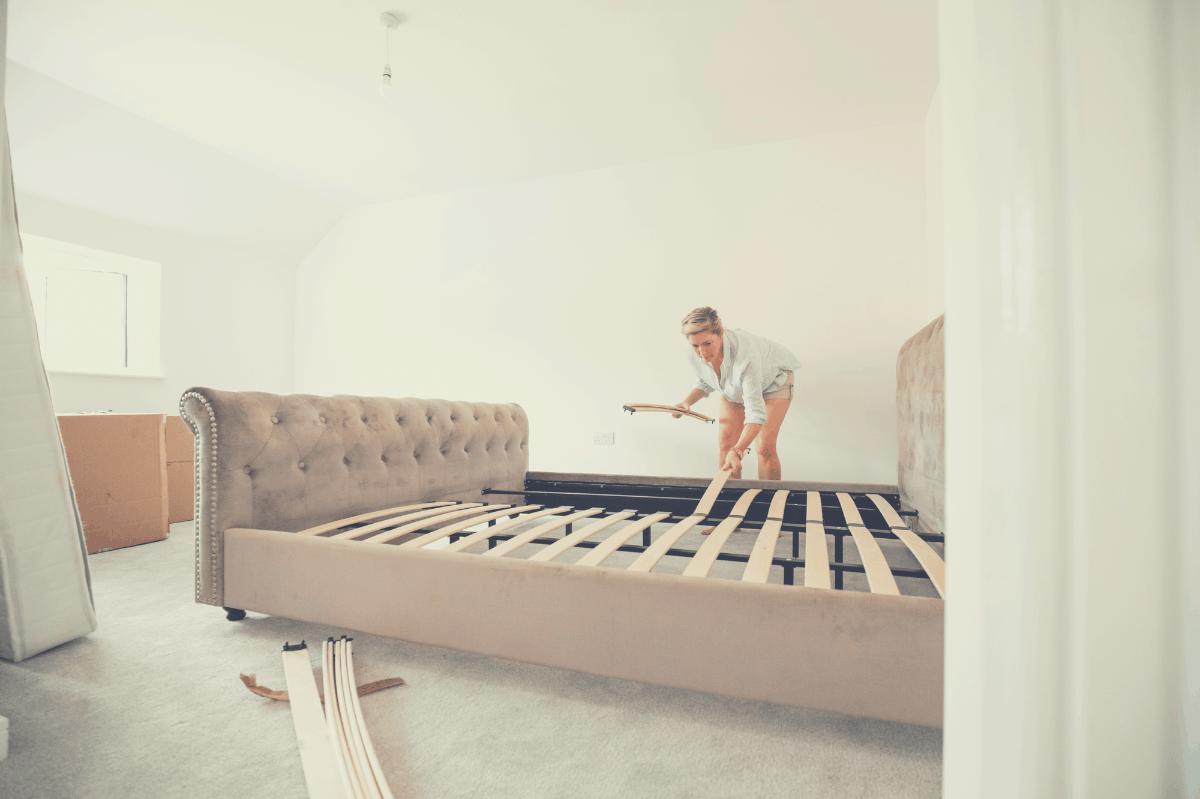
706, 345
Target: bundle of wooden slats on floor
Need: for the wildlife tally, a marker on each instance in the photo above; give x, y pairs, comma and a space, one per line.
453, 519
335, 749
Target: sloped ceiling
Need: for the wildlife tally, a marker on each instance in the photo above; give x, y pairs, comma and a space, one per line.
485, 92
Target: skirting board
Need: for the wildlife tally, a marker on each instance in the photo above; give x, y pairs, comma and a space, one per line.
843, 651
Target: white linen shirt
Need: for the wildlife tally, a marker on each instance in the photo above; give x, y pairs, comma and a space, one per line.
752, 366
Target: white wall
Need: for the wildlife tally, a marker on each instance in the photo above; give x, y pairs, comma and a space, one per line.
227, 317
934, 225
565, 294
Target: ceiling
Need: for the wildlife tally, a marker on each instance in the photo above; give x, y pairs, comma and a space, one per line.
485, 92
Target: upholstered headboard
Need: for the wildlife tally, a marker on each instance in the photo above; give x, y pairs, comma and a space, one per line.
921, 424
288, 462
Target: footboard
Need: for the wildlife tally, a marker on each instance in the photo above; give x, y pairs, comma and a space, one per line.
287, 462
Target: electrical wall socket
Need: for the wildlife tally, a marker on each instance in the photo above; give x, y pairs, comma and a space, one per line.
602, 438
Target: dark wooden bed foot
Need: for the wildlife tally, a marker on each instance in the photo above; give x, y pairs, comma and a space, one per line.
233, 614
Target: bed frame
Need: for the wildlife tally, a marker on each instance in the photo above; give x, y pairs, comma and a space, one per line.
329, 509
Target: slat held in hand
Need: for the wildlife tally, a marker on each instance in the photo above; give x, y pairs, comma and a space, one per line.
758, 568
879, 574
366, 517
397, 520
554, 550
444, 517
611, 544
704, 507
816, 552
520, 540
929, 559
458, 527
502, 527
701, 563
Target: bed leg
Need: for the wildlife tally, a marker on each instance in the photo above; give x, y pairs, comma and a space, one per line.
233, 614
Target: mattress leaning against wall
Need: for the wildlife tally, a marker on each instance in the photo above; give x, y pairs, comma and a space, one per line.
45, 589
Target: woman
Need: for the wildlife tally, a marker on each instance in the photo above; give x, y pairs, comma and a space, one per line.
754, 376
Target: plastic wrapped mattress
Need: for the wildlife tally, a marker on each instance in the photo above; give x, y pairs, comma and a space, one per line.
45, 591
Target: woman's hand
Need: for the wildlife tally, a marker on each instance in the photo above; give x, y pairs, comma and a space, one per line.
732, 460
682, 406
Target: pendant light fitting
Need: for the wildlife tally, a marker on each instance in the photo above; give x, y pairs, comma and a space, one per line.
390, 22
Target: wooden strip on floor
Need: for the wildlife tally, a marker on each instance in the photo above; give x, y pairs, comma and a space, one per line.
710, 495
502, 527
357, 752
758, 568
366, 517
504, 547
554, 550
654, 553
926, 555
458, 527
701, 563
412, 527
408, 517
334, 724
376, 769
614, 542
312, 735
879, 574
816, 551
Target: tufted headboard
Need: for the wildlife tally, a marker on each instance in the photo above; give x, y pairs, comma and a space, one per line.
289, 462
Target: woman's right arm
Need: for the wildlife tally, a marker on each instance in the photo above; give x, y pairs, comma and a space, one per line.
694, 396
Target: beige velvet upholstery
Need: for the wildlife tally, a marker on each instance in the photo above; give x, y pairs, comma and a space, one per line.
845, 651
921, 424
287, 462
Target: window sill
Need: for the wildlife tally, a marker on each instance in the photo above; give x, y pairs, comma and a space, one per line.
138, 375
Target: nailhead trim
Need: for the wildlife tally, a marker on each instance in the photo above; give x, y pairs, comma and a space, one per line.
212, 537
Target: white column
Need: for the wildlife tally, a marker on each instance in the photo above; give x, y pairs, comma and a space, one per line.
1073, 398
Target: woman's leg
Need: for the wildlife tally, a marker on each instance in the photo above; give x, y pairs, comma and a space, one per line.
730, 420
768, 457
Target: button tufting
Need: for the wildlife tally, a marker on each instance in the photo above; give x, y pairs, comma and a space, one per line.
383, 458
274, 420
247, 470
346, 461
322, 418
364, 419
300, 465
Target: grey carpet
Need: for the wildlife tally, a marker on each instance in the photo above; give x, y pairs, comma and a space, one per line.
150, 705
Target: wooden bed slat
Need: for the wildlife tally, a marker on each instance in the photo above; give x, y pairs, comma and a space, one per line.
710, 494
654, 553
457, 513
517, 541
614, 541
926, 555
879, 574
502, 527
701, 563
706, 555
650, 406
816, 551
321, 773
554, 550
758, 568
458, 527
398, 520
366, 517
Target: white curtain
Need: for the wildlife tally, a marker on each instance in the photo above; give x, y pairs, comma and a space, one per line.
45, 589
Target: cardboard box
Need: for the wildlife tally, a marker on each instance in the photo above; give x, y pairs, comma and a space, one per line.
118, 465
181, 471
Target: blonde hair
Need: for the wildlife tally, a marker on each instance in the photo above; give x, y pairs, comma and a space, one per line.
702, 320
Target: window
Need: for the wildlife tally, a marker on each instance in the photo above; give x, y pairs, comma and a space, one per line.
97, 312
